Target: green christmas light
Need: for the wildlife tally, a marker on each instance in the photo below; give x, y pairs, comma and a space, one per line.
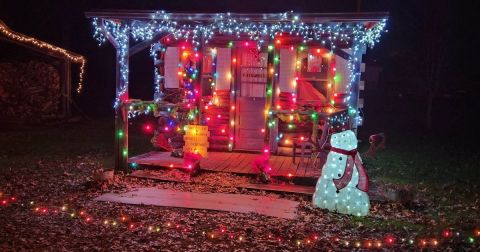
269, 91
120, 133
337, 78
125, 152
471, 239
230, 44
270, 47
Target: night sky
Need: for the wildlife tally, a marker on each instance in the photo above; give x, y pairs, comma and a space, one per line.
413, 26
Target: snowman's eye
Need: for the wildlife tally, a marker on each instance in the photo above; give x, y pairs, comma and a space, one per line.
340, 158
339, 175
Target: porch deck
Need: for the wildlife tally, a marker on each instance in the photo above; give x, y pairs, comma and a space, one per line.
234, 162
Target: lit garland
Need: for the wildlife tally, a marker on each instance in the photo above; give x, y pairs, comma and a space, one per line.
43, 45
120, 33
225, 23
221, 232
155, 49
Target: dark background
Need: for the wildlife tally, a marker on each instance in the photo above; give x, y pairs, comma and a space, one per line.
397, 102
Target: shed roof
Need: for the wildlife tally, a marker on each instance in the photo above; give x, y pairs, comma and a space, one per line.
326, 28
256, 17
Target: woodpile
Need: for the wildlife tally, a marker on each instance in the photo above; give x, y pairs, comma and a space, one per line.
29, 90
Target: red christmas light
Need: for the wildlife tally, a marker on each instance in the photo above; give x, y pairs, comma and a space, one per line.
148, 128
446, 233
389, 240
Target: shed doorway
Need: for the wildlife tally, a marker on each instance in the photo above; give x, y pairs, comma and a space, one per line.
250, 102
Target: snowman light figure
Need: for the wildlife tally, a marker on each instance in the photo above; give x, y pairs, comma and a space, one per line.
343, 185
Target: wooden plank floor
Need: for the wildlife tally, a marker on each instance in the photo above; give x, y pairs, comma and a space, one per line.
234, 162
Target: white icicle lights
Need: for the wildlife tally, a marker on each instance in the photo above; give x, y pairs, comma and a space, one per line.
343, 185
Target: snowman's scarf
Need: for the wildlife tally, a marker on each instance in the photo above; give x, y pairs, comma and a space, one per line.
352, 159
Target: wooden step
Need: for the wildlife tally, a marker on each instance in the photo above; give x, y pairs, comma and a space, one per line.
219, 147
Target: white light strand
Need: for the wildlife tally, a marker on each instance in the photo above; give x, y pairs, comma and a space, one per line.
49, 47
358, 35
256, 30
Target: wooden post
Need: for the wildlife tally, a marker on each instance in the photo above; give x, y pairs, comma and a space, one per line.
198, 82
233, 94
66, 88
354, 89
270, 133
121, 115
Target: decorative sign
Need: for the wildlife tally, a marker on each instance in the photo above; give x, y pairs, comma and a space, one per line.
196, 140
254, 74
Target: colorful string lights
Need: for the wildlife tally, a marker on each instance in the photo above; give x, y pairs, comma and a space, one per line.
221, 232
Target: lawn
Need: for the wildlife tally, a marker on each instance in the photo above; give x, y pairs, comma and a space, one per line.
51, 166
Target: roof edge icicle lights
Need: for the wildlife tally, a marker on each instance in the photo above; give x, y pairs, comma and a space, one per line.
355, 34
225, 23
5, 30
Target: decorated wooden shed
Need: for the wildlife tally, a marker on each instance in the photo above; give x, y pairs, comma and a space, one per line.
241, 90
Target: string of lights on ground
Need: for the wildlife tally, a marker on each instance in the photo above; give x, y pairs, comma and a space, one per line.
124, 222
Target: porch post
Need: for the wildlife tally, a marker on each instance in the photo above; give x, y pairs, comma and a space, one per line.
356, 102
233, 93
198, 82
271, 131
121, 115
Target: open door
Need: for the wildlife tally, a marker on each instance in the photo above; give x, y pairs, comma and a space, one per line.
250, 102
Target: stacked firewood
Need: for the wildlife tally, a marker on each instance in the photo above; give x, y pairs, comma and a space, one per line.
29, 90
